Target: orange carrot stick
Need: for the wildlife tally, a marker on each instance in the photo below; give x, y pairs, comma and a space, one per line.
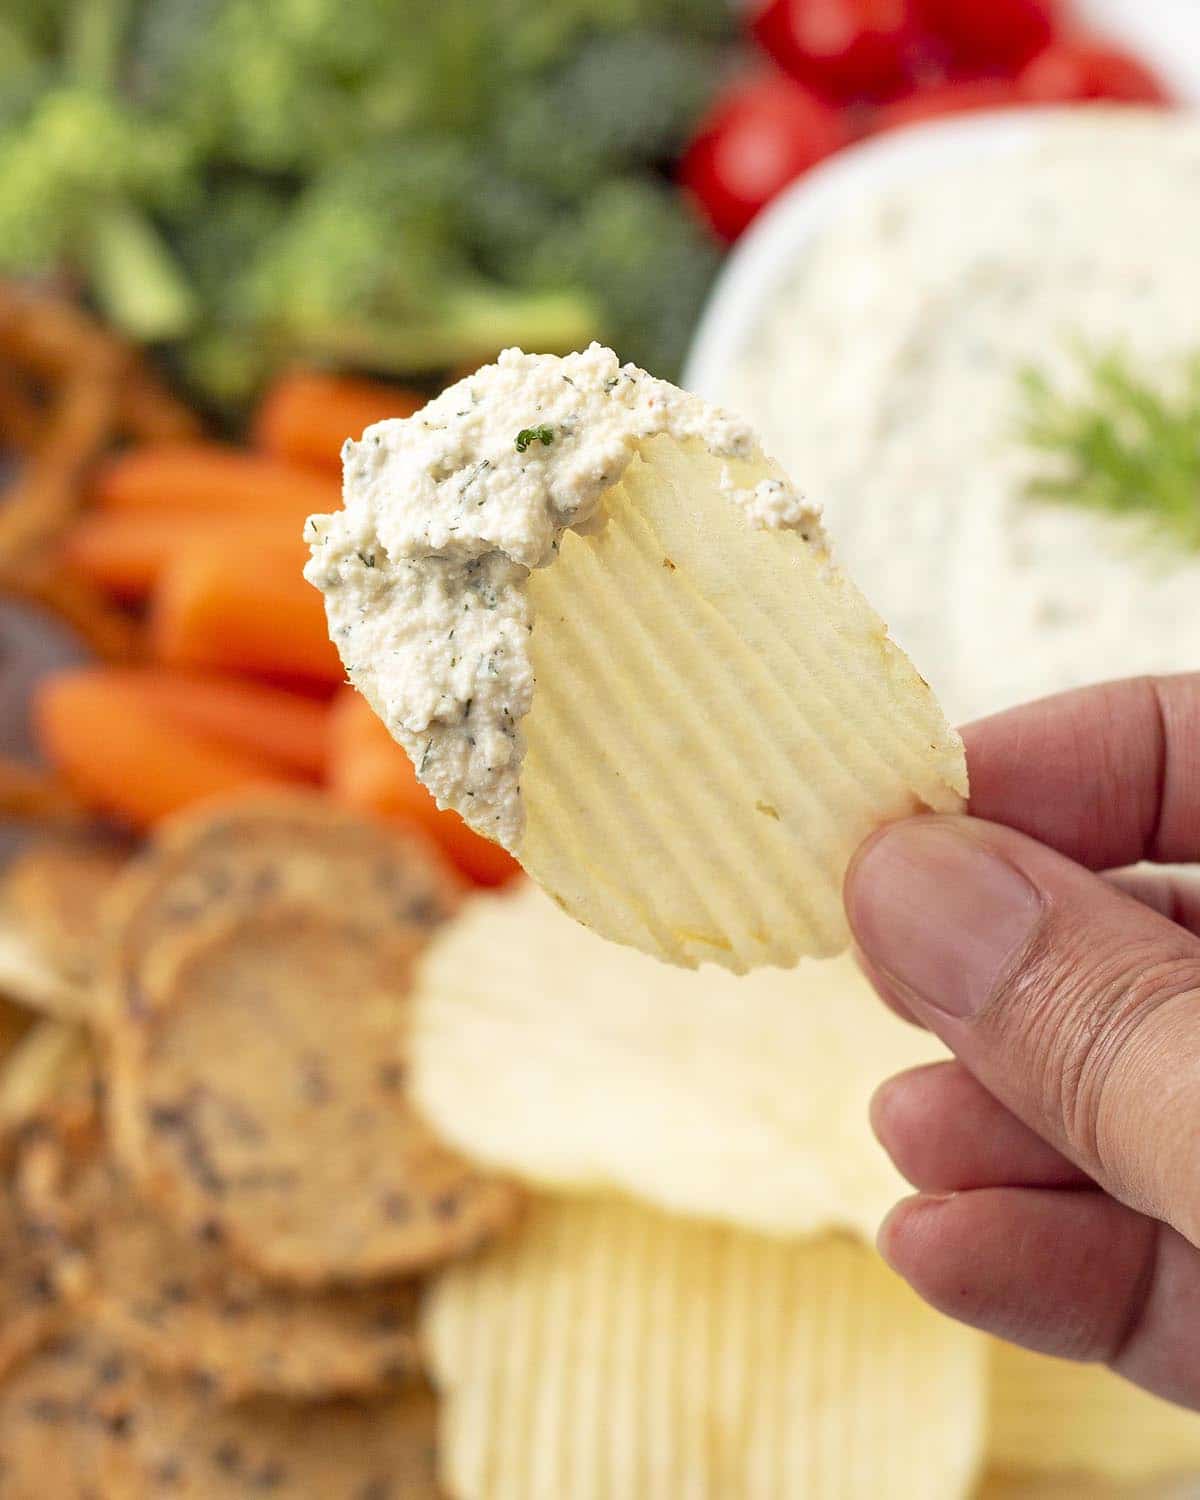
369, 771
124, 553
124, 757
211, 479
253, 613
286, 728
307, 415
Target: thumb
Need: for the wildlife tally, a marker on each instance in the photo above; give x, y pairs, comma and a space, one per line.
1071, 1002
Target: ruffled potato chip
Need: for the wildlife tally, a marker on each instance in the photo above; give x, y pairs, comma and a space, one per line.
613, 1353
608, 631
720, 719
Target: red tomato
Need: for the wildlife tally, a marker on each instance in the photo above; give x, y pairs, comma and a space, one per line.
1079, 69
989, 34
760, 136
842, 47
957, 98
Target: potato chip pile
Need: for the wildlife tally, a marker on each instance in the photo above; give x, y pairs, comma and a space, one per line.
266, 1094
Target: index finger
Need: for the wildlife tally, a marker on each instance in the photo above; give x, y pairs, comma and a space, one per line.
1107, 775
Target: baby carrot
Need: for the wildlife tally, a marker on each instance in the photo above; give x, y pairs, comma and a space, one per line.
124, 757
211, 479
369, 771
307, 415
286, 728
124, 552
252, 613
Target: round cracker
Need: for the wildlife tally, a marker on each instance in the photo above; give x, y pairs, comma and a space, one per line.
31, 1301
52, 898
186, 1308
15, 1021
271, 847
381, 1450
265, 1103
66, 1423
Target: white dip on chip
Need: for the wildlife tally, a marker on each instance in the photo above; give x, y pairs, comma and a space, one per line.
885, 369
446, 513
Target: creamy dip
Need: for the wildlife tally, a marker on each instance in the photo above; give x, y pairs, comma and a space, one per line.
884, 370
446, 513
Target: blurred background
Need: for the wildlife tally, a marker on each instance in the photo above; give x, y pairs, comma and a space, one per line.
235, 232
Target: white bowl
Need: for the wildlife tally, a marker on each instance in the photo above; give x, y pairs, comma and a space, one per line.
768, 252
1165, 32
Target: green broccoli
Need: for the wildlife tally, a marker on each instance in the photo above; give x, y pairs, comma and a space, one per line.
619, 101
637, 249
78, 174
397, 184
370, 266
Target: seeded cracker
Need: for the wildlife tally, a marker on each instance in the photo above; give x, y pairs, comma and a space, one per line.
31, 1305
51, 899
185, 1307
14, 1023
293, 846
66, 1423
382, 1450
260, 1071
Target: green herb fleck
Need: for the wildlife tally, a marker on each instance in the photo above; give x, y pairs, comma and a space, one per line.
366, 558
527, 435
1129, 445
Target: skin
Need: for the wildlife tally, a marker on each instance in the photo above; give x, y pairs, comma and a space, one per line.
1057, 1157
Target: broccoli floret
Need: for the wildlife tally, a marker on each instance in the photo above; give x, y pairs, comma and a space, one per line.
505, 219
75, 176
717, 19
226, 226
647, 261
242, 87
371, 266
620, 100
403, 184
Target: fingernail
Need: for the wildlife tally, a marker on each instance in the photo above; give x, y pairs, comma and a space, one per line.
939, 913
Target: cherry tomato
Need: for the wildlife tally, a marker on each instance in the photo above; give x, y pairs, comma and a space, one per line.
986, 34
760, 136
846, 48
956, 98
1080, 69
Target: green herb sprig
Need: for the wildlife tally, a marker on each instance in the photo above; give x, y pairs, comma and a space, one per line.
1130, 445
527, 435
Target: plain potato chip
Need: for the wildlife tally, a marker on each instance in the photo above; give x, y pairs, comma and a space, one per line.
720, 719
575, 1063
610, 1352
1053, 1416
1001, 1485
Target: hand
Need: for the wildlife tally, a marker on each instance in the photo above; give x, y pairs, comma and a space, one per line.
1057, 1159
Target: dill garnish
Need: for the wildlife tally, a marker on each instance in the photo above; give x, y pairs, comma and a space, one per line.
527, 435
1128, 446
